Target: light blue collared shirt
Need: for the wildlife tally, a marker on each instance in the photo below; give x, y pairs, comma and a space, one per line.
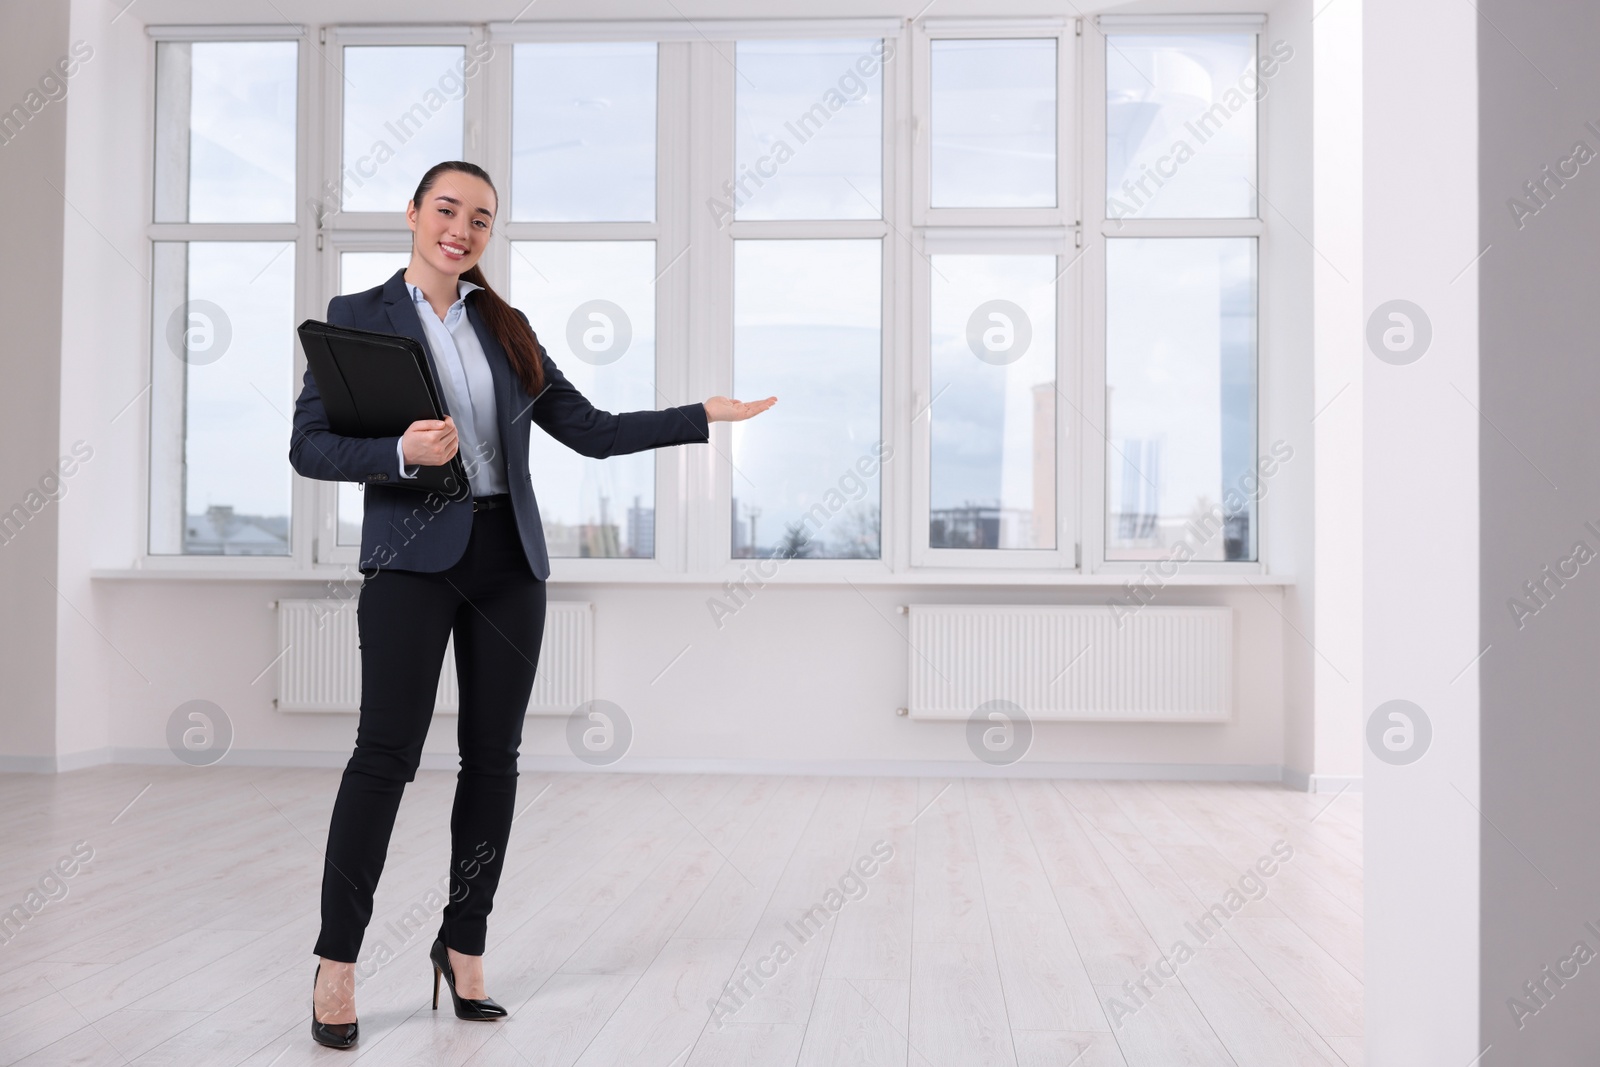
468, 387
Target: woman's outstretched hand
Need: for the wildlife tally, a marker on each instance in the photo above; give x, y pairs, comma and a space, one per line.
726, 409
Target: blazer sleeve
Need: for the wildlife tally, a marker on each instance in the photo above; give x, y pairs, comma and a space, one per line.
317, 452
564, 413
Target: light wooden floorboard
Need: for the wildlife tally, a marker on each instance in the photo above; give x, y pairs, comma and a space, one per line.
698, 921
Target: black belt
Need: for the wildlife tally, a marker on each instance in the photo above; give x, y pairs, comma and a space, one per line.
486, 503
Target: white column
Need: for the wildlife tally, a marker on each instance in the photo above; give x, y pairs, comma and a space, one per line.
1336, 407
1420, 517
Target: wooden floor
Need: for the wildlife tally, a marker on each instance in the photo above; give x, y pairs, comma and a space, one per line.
1001, 930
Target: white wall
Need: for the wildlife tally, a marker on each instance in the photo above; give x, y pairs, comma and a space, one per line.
104, 337
802, 675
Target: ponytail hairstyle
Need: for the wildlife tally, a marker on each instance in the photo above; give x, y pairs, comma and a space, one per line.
504, 321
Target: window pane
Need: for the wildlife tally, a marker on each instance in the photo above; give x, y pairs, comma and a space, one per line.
351, 511
807, 329
808, 123
593, 306
583, 132
1181, 397
225, 131
359, 271
402, 114
1181, 126
994, 123
992, 465
222, 394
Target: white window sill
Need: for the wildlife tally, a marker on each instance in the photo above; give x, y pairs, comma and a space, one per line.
787, 575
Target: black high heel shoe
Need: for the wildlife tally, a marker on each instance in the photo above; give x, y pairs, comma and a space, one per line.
334, 1035
465, 1008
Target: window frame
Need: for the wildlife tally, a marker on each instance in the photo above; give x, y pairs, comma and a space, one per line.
717, 541
337, 231
664, 231
694, 295
695, 153
299, 556
1094, 461
1002, 231
1063, 29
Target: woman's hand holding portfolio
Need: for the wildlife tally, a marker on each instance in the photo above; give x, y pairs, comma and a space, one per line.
429, 442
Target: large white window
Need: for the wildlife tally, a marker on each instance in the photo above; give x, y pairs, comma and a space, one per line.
806, 328
1180, 270
582, 263
807, 247
223, 271
994, 357
1001, 273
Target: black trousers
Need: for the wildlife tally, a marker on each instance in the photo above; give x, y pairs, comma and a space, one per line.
495, 606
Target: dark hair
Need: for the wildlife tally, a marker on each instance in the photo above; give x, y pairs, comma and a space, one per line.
504, 321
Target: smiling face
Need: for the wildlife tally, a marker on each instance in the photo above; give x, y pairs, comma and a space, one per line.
452, 228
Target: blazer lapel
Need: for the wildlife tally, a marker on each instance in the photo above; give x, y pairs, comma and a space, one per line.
499, 367
403, 318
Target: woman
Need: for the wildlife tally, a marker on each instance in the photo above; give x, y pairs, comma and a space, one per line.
433, 567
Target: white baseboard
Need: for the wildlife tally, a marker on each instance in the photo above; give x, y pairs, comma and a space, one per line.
1321, 783
449, 761
75, 761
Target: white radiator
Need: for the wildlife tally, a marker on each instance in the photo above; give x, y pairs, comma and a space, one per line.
319, 668
1169, 664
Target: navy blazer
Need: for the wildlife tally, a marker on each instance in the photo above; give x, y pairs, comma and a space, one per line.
417, 530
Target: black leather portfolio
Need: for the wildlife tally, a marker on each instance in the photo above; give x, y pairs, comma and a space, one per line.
376, 385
